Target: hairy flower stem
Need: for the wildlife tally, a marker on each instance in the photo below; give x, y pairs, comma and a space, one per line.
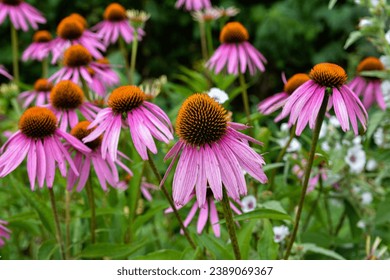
231, 227
45, 68
15, 54
245, 100
67, 224
209, 37
91, 201
203, 41
134, 48
57, 224
316, 134
170, 200
280, 157
125, 54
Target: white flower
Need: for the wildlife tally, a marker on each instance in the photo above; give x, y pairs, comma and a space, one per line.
248, 203
387, 36
385, 59
280, 233
357, 140
293, 147
385, 86
379, 137
361, 224
371, 165
284, 127
365, 22
219, 95
356, 159
356, 189
325, 146
334, 122
366, 198
324, 130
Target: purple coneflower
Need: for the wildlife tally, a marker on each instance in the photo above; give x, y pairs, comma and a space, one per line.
144, 119
21, 14
39, 139
277, 101
77, 61
4, 72
40, 48
206, 212
4, 232
369, 87
101, 82
193, 5
304, 104
236, 53
146, 187
40, 93
115, 24
65, 98
72, 31
213, 152
105, 169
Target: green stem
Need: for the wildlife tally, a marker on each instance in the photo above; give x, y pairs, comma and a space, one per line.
45, 68
125, 54
209, 38
134, 48
245, 100
231, 227
327, 209
203, 41
91, 201
341, 222
57, 223
280, 157
87, 92
171, 203
316, 134
67, 224
312, 210
15, 54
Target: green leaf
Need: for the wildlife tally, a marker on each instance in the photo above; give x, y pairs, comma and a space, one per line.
271, 166
101, 212
385, 75
164, 254
110, 250
47, 250
374, 121
261, 214
244, 237
383, 213
143, 219
215, 246
267, 247
309, 247
353, 37
331, 4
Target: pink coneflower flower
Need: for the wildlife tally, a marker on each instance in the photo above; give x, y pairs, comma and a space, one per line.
146, 187
304, 104
77, 61
277, 101
213, 152
4, 232
65, 98
236, 54
101, 82
193, 5
144, 119
4, 72
72, 31
39, 139
321, 173
105, 169
207, 212
40, 48
115, 24
207, 15
40, 93
369, 87
21, 14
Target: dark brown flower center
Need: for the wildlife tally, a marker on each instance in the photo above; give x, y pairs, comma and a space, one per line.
295, 82
38, 122
66, 95
233, 32
201, 120
328, 75
43, 85
370, 64
126, 98
81, 131
115, 12
42, 36
70, 28
76, 56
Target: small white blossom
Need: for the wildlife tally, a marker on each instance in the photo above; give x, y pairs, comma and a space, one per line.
364, 22
284, 127
379, 137
371, 165
324, 130
357, 140
280, 233
248, 203
218, 95
385, 59
325, 146
356, 159
366, 198
334, 122
361, 224
293, 147
387, 36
